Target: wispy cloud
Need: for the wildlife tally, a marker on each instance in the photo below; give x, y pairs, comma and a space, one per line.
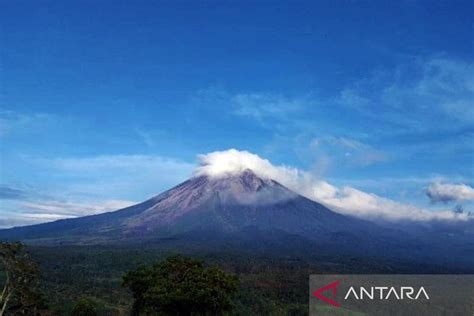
13, 219
24, 207
13, 122
448, 192
424, 104
415, 93
69, 208
299, 118
268, 109
346, 200
91, 185
40, 211
261, 106
349, 150
10, 193
146, 137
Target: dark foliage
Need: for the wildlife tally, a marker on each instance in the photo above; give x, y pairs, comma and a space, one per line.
181, 286
84, 307
270, 283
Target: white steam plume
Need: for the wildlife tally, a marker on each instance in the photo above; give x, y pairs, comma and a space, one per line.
345, 200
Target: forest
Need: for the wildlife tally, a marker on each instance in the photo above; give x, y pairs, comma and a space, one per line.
92, 277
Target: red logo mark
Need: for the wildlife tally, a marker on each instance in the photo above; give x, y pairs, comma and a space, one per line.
323, 298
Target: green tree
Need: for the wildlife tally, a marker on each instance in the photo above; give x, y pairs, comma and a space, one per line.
84, 307
181, 286
20, 293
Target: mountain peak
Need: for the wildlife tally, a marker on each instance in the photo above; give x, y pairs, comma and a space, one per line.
251, 180
245, 181
248, 172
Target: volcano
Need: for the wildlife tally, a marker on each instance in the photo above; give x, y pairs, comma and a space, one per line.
244, 213
224, 205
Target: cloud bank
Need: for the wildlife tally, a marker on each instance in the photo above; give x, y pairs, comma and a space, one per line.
346, 200
445, 192
36, 211
26, 207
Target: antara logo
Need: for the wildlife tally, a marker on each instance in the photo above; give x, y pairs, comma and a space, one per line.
385, 293
371, 293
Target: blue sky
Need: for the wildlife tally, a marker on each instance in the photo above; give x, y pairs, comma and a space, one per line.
108, 102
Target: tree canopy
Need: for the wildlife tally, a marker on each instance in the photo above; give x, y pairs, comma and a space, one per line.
84, 307
181, 286
20, 291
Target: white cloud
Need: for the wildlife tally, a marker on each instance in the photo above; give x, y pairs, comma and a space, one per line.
266, 105
31, 212
352, 151
232, 161
345, 200
90, 185
438, 92
13, 219
261, 106
446, 192
59, 208
350, 201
